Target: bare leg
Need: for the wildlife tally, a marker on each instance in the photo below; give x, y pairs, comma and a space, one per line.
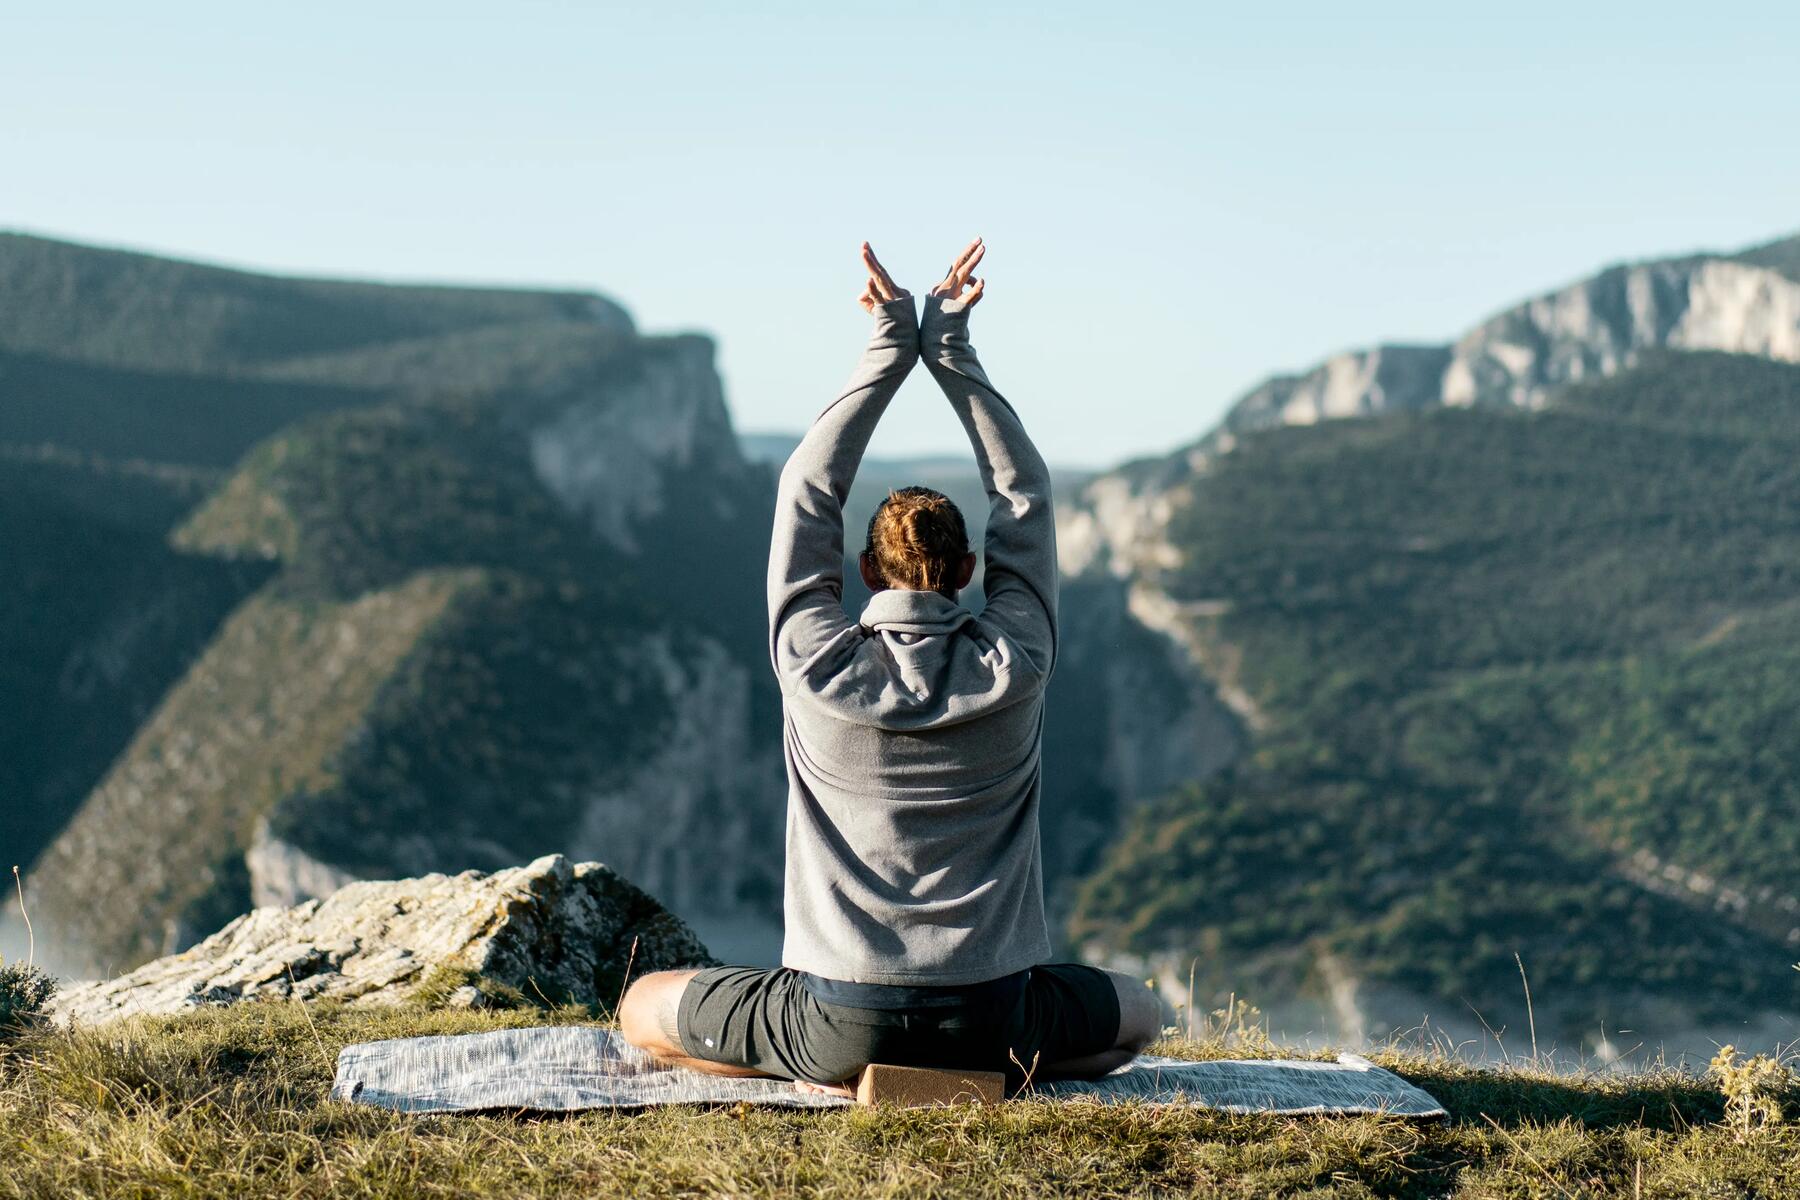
1140, 1020
648, 1019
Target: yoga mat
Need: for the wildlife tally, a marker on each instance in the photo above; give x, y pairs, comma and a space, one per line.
572, 1067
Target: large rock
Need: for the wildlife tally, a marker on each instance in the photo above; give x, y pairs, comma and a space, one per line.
552, 931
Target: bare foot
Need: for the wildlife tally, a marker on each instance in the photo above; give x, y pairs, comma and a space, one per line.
824, 1089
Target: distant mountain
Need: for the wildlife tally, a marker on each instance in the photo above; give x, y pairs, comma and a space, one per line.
327, 579
1513, 669
1745, 303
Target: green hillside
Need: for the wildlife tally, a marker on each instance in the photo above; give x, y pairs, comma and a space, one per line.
446, 658
129, 385
98, 616
125, 309
354, 578
131, 415
1529, 687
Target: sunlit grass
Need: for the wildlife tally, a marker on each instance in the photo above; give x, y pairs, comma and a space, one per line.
232, 1102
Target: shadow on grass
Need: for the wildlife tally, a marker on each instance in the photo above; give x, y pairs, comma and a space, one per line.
1511, 1098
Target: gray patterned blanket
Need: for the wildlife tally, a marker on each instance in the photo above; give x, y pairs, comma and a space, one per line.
570, 1067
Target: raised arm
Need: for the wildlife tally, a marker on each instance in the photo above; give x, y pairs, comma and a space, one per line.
806, 553
1019, 575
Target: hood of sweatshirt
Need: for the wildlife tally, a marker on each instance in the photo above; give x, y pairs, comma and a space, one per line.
917, 660
906, 614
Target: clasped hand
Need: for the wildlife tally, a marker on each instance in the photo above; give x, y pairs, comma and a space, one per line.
958, 283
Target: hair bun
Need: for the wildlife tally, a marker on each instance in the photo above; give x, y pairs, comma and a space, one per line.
917, 539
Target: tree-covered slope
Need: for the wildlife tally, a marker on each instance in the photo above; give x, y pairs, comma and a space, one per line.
450, 670
1525, 683
98, 615
129, 384
1782, 254
131, 415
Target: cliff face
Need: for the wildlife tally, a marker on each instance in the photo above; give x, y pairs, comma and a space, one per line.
1589, 330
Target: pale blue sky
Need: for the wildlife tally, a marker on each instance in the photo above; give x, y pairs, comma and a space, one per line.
1179, 199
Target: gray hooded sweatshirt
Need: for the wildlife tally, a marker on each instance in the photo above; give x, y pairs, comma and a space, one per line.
912, 735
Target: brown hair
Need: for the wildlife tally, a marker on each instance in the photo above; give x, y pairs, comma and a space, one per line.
917, 540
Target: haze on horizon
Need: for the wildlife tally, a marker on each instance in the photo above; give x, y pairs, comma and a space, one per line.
1179, 202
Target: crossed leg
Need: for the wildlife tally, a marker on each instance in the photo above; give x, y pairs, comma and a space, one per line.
1140, 1021
649, 1019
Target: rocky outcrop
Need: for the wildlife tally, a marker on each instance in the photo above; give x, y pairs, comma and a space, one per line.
1594, 328
550, 932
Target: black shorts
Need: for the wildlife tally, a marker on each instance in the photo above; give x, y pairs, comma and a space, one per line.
767, 1020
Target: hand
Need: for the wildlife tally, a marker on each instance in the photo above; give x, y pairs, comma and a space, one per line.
881, 287
958, 278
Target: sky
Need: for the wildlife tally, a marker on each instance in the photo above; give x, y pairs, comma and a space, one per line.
1178, 199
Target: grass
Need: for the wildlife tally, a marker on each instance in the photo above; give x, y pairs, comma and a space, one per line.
231, 1102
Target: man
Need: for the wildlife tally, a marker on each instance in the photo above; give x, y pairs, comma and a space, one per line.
915, 930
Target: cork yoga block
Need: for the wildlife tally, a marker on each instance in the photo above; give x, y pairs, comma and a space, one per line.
926, 1087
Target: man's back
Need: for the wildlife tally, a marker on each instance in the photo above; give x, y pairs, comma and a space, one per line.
913, 735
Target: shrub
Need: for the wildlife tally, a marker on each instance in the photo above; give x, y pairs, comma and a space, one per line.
24, 991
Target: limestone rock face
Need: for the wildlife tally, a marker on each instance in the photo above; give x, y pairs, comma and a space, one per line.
1518, 357
553, 930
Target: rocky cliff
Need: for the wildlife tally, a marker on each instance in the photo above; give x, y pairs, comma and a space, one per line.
1518, 357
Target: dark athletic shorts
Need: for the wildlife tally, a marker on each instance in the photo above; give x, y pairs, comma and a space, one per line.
768, 1020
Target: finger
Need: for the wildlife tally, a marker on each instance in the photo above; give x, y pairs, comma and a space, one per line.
974, 293
877, 271
974, 259
956, 264
868, 299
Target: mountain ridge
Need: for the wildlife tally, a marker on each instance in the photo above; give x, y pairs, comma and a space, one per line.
462, 595
1746, 301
